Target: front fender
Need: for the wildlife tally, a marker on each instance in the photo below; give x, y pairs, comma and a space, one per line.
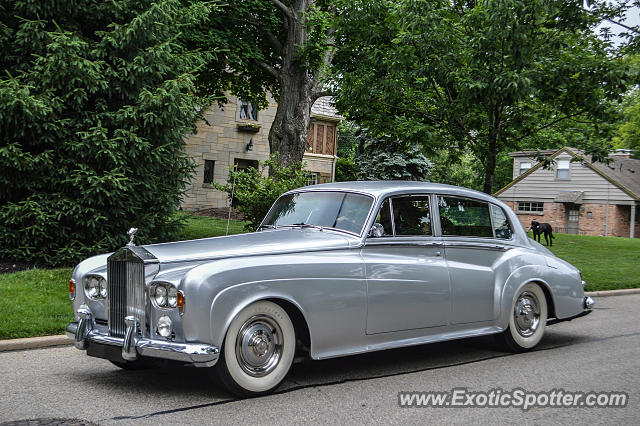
328, 288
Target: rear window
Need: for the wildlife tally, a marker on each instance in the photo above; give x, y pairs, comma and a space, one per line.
464, 217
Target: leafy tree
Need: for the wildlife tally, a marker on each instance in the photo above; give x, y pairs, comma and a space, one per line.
95, 98
254, 192
277, 47
385, 158
628, 132
476, 77
347, 140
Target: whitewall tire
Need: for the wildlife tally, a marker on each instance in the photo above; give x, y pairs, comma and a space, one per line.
258, 350
527, 319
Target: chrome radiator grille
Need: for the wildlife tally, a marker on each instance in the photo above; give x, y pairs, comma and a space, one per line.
125, 277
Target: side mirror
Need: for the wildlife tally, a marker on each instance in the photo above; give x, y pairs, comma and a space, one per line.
376, 231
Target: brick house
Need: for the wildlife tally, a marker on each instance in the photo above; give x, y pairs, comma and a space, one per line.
237, 134
574, 195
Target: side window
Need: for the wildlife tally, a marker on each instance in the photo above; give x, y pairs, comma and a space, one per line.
500, 223
464, 217
411, 215
382, 226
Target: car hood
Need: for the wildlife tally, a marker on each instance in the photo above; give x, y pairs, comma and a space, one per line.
264, 242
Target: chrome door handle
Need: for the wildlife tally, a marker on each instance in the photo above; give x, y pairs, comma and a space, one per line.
438, 253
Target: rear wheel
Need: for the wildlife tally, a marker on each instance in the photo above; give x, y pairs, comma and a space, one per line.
258, 350
527, 319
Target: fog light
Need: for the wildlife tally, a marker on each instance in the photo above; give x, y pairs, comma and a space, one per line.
164, 326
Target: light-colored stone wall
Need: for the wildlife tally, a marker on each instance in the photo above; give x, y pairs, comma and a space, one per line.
220, 139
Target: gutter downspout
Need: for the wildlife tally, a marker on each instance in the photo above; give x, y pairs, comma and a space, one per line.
606, 224
632, 226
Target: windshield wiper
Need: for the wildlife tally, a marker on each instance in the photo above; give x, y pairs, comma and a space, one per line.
268, 227
307, 225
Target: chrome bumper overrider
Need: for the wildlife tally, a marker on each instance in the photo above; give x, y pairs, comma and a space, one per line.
133, 346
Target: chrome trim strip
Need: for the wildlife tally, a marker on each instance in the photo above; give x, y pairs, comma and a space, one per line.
198, 354
488, 246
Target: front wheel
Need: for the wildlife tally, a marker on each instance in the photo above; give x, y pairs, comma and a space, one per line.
258, 350
527, 319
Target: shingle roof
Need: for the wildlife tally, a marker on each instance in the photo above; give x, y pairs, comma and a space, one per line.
569, 197
625, 171
622, 172
324, 106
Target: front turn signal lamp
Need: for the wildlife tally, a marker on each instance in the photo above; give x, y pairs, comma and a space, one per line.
72, 289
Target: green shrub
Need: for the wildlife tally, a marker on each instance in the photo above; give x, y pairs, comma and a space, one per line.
95, 99
254, 191
346, 170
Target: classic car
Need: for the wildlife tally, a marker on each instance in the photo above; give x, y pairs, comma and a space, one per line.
333, 270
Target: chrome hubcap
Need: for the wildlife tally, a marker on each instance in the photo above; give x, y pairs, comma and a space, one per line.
259, 345
527, 314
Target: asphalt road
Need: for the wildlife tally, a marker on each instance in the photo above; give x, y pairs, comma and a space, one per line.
600, 352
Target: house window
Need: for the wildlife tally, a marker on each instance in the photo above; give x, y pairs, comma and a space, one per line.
208, 171
524, 167
242, 164
530, 207
248, 111
562, 171
312, 179
574, 215
589, 215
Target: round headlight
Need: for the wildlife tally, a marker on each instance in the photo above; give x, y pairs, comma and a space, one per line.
103, 288
161, 296
172, 297
93, 287
164, 326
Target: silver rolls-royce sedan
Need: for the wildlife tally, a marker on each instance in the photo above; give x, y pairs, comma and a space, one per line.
334, 269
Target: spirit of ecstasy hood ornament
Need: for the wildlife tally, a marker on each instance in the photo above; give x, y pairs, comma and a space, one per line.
132, 234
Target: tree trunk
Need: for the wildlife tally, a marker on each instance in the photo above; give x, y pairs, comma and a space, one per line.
290, 129
490, 166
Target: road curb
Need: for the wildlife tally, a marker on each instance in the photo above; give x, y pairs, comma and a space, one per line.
34, 343
606, 293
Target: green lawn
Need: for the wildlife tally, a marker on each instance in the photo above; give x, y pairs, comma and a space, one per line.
606, 263
35, 302
203, 227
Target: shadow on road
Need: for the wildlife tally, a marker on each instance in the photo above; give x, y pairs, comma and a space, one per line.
195, 381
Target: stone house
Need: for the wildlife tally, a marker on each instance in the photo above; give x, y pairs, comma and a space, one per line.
237, 135
574, 195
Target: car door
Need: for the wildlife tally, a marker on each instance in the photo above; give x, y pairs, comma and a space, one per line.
407, 279
471, 232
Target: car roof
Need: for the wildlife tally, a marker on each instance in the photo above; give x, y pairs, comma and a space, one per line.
382, 188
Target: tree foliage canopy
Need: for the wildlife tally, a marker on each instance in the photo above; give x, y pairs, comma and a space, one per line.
95, 98
282, 48
481, 77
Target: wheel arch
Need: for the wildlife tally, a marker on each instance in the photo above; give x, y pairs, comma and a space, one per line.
294, 310
516, 281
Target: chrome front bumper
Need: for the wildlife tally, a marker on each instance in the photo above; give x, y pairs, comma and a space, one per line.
134, 346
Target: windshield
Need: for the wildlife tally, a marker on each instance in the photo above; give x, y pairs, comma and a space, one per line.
339, 210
